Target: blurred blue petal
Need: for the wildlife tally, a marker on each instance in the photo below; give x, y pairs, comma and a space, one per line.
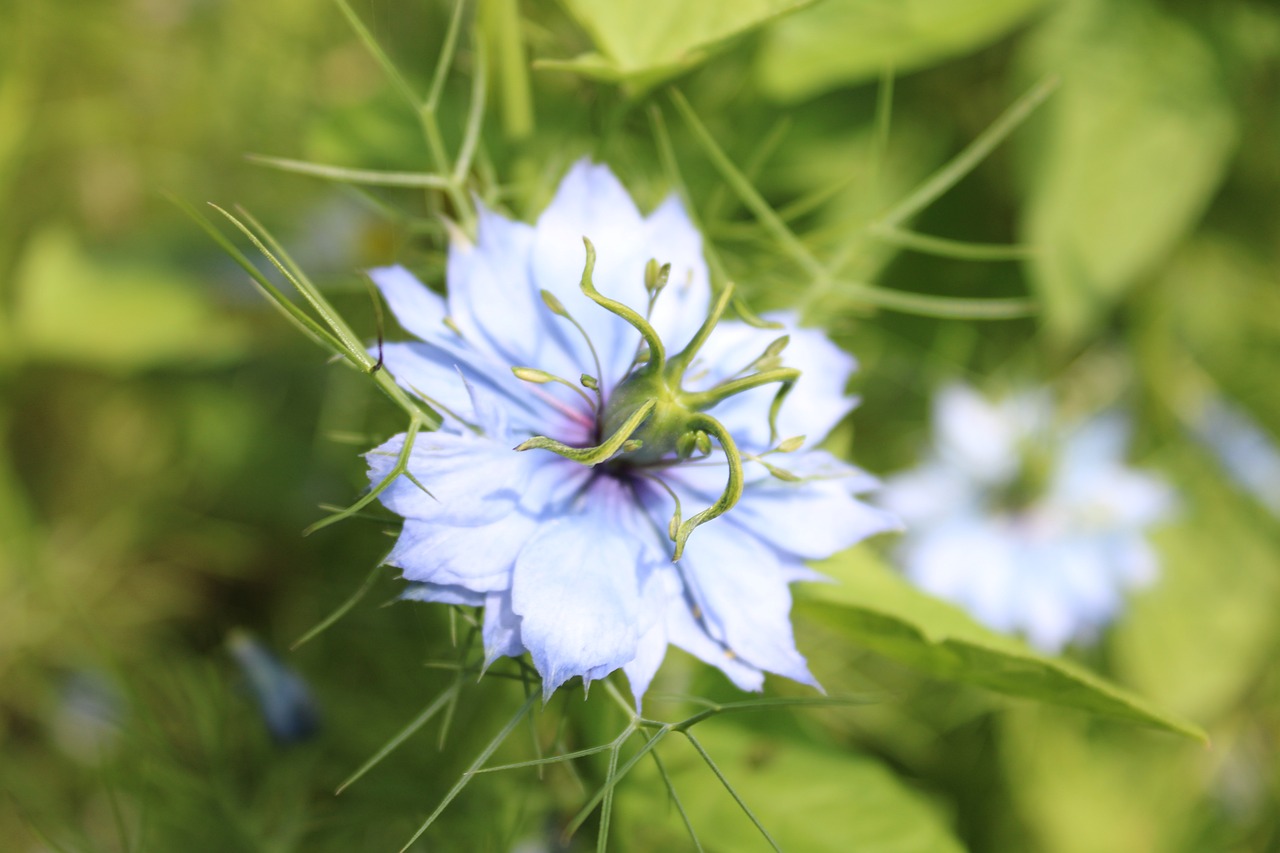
1033, 527
289, 711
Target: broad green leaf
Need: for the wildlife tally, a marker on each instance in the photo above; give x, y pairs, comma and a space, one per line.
875, 608
808, 798
1081, 786
839, 42
1207, 631
642, 42
70, 308
1125, 157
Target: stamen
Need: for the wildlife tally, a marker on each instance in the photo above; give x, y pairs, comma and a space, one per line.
555, 306
542, 377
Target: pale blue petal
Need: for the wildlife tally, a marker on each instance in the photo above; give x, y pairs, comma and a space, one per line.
929, 494
975, 436
436, 593
575, 589
479, 558
742, 592
590, 202
420, 311
492, 300
811, 519
501, 631
472, 480
816, 403
685, 632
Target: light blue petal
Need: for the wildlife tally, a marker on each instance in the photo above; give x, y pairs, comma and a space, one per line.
812, 518
976, 436
420, 311
575, 589
685, 632
817, 402
472, 480
479, 558
590, 202
742, 592
492, 300
438, 594
501, 630
657, 586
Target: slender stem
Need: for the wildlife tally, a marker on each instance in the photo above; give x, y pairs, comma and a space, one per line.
958, 249
745, 191
368, 177
973, 154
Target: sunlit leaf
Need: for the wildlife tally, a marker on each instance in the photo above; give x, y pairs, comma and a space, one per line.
839, 42
1129, 152
878, 610
642, 42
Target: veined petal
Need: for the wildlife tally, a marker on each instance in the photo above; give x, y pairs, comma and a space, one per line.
472, 480
418, 309
685, 632
479, 558
811, 518
742, 592
817, 402
576, 590
492, 300
501, 630
592, 203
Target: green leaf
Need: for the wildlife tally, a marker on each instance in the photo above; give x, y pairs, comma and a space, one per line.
808, 798
1206, 632
877, 609
72, 308
839, 42
640, 43
1127, 153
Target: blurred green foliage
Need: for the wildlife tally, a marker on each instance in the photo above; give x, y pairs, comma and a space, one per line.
166, 437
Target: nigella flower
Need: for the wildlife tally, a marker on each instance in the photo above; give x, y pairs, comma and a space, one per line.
597, 412
1030, 526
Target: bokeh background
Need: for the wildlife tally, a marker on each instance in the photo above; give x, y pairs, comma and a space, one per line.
166, 436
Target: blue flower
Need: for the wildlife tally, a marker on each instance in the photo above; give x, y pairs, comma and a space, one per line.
591, 398
1031, 527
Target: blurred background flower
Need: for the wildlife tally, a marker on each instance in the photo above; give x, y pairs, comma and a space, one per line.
1033, 525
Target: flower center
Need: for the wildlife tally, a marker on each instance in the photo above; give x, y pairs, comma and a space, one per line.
649, 420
